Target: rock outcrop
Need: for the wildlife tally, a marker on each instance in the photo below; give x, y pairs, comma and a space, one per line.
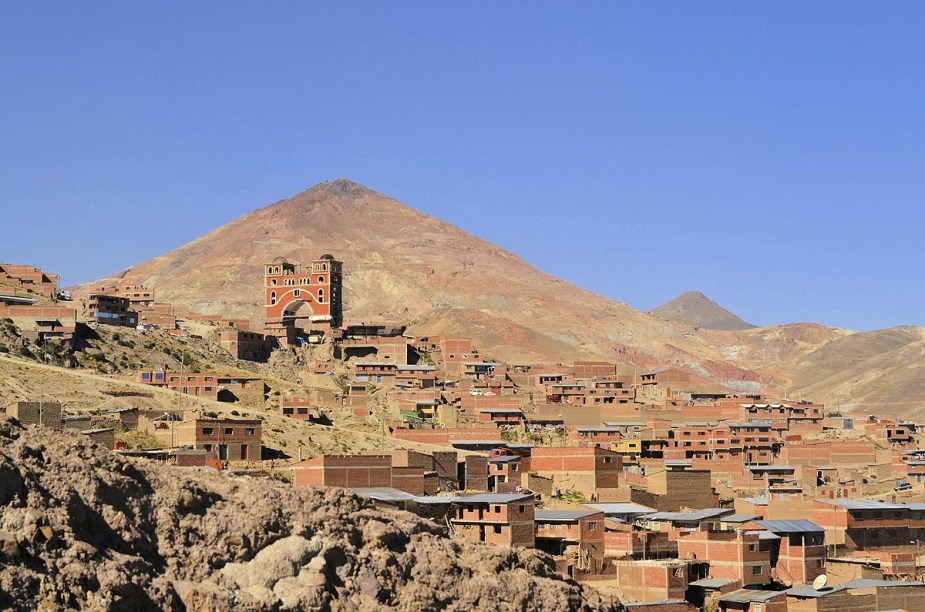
81, 528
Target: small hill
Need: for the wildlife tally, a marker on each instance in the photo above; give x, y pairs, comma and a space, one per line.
694, 308
81, 528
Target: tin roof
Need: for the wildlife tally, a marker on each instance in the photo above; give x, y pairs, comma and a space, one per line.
493, 498
712, 583
384, 494
792, 526
696, 515
749, 595
863, 504
622, 508
562, 516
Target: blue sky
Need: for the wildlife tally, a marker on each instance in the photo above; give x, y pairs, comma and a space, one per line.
771, 155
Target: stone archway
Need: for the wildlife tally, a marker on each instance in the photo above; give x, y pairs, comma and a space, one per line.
297, 313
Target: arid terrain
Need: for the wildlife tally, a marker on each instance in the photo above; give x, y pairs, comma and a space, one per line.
404, 266
83, 529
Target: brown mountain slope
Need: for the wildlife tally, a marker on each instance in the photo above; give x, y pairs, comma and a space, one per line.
694, 308
402, 265
881, 372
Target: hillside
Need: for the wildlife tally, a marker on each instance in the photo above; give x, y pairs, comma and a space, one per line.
694, 308
84, 529
402, 265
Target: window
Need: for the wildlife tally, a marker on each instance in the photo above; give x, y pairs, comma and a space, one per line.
751, 548
497, 508
207, 447
207, 388
287, 410
249, 431
209, 379
522, 509
207, 431
320, 279
303, 410
321, 295
756, 570
145, 376
497, 528
229, 431
514, 467
272, 297
497, 467
608, 459
592, 526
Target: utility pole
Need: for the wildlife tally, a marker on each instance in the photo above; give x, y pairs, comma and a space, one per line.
173, 419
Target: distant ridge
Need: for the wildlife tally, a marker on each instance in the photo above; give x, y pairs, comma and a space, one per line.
694, 308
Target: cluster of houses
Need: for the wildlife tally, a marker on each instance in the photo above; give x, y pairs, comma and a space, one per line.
186, 437
679, 494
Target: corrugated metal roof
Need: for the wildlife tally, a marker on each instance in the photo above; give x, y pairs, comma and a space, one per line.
793, 526
740, 518
863, 504
807, 590
749, 595
712, 583
622, 508
386, 494
865, 583
562, 516
435, 499
696, 515
505, 459
493, 498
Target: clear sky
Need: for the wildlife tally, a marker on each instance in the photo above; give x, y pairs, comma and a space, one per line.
771, 155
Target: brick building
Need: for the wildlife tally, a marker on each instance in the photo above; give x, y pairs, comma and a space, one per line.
588, 469
36, 413
29, 278
224, 439
737, 556
248, 345
496, 518
299, 408
110, 310
210, 385
303, 299
574, 537
367, 471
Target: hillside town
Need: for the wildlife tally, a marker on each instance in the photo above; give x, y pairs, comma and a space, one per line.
668, 490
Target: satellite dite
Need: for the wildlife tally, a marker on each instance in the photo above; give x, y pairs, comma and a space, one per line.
820, 582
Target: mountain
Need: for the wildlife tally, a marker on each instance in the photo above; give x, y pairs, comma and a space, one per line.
694, 308
401, 265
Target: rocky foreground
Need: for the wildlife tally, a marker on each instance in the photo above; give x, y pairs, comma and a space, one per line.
81, 528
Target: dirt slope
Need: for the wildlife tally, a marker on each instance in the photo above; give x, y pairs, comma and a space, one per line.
81, 528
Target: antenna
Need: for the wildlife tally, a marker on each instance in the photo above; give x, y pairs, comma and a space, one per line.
820, 582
